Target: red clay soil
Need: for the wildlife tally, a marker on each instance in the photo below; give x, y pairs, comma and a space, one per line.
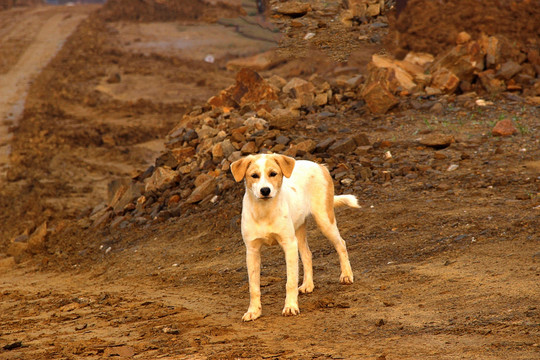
150, 10
432, 26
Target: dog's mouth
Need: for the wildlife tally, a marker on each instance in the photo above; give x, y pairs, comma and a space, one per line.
265, 198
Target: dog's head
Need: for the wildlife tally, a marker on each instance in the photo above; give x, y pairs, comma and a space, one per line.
263, 173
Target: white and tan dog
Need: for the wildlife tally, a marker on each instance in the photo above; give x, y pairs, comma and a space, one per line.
280, 194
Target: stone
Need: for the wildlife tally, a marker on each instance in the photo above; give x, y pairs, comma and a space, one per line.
217, 151
321, 99
324, 145
490, 83
437, 108
437, 140
361, 139
306, 146
301, 90
277, 81
504, 128
249, 148
463, 37
132, 191
404, 78
508, 70
419, 58
161, 178
36, 241
445, 80
365, 8
119, 351
463, 61
492, 48
183, 153
344, 146
250, 88
202, 191
259, 62
283, 119
376, 94
292, 8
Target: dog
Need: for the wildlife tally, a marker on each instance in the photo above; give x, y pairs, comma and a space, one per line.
281, 193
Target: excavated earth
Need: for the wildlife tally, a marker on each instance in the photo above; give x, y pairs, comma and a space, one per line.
445, 248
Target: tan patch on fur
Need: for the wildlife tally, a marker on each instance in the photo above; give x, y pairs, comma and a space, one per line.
272, 165
285, 163
239, 168
329, 194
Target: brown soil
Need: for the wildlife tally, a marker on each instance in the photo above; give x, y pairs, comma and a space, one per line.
446, 261
432, 26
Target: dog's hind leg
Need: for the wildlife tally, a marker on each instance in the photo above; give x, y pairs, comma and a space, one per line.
305, 254
330, 230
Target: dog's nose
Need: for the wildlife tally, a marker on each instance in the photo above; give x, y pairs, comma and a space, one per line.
265, 191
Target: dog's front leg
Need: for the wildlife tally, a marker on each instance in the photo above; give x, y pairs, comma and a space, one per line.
290, 247
253, 260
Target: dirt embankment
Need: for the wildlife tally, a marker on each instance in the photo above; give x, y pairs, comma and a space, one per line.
432, 26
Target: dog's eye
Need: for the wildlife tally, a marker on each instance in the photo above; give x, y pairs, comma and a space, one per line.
255, 176
273, 173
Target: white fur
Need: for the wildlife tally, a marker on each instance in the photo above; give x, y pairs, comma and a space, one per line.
280, 218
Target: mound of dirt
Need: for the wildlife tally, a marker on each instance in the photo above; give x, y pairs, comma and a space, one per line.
432, 26
8, 4
152, 10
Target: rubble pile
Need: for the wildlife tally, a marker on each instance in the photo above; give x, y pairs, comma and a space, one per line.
294, 117
254, 115
491, 65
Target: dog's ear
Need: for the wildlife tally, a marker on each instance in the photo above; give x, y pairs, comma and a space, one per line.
286, 164
239, 168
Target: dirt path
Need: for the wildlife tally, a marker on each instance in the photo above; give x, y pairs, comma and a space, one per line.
37, 34
135, 301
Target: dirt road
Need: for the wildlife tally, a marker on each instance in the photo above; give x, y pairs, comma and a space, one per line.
30, 38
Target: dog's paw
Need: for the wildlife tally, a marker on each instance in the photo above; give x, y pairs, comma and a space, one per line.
346, 279
251, 315
306, 288
290, 310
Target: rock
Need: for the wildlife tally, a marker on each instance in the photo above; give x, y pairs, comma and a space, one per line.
492, 48
282, 139
445, 80
419, 58
249, 148
250, 88
120, 351
217, 151
437, 108
365, 8
463, 61
508, 70
463, 37
324, 145
379, 99
202, 191
344, 146
161, 178
227, 148
504, 128
306, 146
283, 119
277, 81
490, 83
361, 139
182, 154
128, 194
260, 62
404, 78
292, 8
36, 241
437, 141
301, 90
17, 250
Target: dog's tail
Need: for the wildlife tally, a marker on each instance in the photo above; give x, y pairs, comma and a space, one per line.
346, 200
